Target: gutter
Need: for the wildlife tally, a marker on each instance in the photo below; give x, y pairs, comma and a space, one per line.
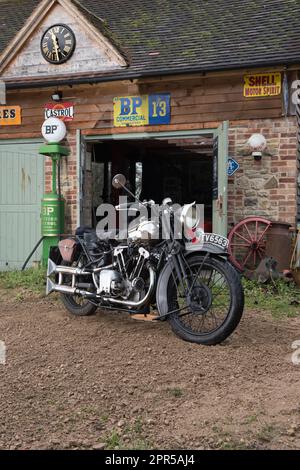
140, 75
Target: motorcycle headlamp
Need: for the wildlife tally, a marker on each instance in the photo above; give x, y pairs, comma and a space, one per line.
190, 216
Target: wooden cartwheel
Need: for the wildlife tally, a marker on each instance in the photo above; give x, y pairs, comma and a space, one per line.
295, 260
247, 243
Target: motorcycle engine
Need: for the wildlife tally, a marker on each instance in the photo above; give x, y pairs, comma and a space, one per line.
111, 283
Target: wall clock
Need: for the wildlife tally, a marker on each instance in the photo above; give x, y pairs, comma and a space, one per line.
58, 44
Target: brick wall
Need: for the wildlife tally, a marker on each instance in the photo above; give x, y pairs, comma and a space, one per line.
68, 182
267, 187
298, 166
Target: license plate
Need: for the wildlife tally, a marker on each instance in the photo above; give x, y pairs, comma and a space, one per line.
216, 240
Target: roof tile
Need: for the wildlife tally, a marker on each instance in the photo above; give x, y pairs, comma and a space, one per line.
179, 35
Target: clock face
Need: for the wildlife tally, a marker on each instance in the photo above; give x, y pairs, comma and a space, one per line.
58, 44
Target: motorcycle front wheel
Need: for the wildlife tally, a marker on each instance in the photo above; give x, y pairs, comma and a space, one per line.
209, 304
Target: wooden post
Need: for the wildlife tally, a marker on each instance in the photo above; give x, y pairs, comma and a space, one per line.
298, 172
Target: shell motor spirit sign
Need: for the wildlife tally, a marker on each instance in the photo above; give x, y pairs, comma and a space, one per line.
262, 84
142, 110
10, 115
62, 111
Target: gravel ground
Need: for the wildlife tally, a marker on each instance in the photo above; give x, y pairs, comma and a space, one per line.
109, 381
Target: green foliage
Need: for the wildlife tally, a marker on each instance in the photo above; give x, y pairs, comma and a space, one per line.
232, 445
32, 280
267, 433
139, 444
138, 426
251, 419
133, 431
175, 392
104, 418
113, 441
280, 297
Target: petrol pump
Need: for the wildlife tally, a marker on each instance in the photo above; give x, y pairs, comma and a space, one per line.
53, 203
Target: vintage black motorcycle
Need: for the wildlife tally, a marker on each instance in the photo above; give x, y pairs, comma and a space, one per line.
196, 290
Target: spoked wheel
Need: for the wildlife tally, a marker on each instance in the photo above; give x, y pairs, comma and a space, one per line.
76, 304
247, 243
208, 306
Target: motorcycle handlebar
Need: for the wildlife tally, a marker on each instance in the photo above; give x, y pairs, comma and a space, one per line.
130, 205
167, 203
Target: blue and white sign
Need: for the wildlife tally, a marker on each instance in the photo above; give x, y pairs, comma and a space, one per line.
142, 110
233, 166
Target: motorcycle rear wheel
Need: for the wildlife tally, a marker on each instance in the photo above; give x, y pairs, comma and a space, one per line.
214, 307
75, 304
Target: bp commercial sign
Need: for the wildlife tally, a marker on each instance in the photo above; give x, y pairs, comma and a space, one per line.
142, 110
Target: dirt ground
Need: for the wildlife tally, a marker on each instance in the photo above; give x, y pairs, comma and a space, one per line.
108, 381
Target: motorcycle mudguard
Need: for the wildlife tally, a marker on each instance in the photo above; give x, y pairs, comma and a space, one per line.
208, 248
161, 289
209, 243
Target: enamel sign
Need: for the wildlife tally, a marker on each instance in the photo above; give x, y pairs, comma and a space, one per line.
142, 110
10, 115
54, 130
233, 166
262, 84
63, 111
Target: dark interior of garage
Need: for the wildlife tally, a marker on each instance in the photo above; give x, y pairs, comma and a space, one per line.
155, 168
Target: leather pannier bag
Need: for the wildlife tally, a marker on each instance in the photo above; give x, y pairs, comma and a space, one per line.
67, 249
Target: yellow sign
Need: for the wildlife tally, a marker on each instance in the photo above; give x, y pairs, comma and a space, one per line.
262, 84
152, 110
10, 115
131, 111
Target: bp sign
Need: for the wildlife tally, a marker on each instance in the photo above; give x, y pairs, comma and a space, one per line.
54, 130
144, 110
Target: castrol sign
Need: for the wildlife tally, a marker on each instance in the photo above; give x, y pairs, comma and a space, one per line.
62, 111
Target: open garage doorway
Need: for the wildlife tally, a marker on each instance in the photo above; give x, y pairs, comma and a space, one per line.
184, 168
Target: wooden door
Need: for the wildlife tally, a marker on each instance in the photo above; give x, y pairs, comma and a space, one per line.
21, 190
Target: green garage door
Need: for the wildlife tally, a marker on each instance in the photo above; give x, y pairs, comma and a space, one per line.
21, 190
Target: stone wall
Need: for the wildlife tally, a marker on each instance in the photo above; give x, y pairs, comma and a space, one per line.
266, 187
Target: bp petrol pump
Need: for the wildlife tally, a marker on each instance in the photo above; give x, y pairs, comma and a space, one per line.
53, 203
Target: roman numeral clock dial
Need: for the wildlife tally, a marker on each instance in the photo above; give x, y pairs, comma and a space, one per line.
58, 44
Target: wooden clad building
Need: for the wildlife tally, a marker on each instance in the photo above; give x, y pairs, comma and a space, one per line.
167, 92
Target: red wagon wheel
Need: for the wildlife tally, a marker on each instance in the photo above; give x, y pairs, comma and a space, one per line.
247, 242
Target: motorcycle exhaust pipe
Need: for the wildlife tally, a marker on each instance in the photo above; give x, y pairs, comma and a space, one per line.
52, 287
54, 269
